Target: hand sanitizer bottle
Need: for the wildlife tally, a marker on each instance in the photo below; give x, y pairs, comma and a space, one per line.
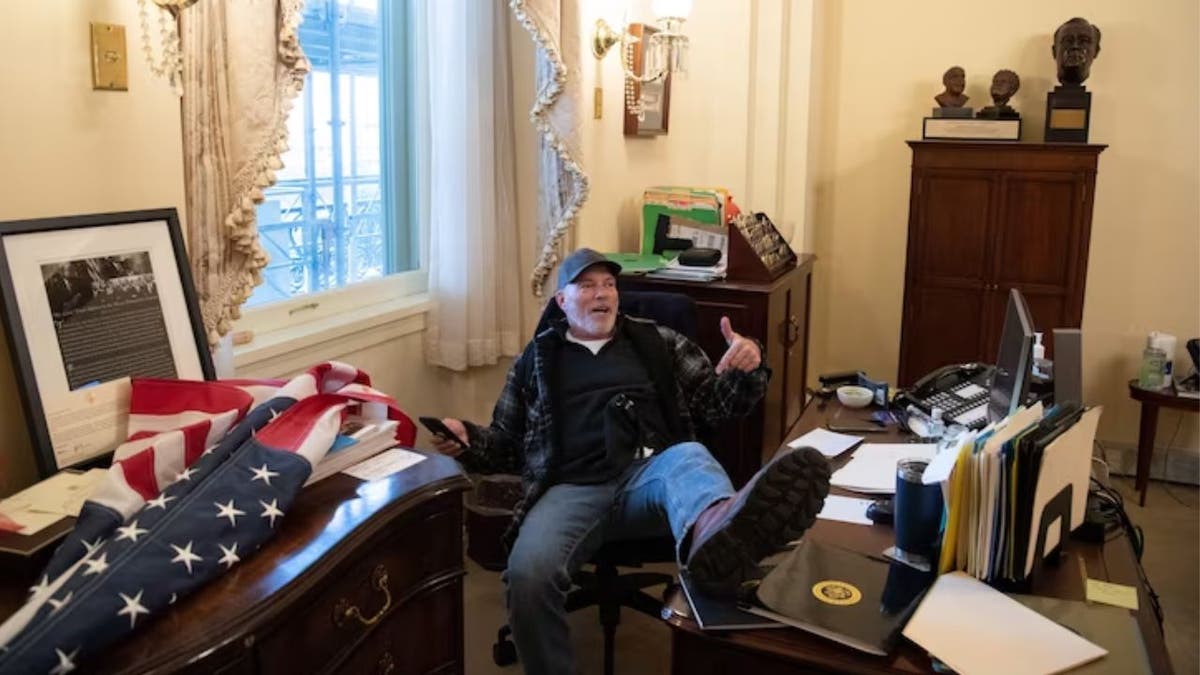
1039, 356
937, 426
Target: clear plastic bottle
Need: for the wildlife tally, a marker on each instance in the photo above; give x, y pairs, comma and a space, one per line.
937, 426
1153, 362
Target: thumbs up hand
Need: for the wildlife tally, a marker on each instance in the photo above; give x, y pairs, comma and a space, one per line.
743, 354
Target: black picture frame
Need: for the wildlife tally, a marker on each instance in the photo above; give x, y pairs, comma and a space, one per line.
79, 294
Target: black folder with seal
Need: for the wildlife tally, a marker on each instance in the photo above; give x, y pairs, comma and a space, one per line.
841, 595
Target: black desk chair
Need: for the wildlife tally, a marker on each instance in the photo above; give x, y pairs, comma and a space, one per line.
604, 586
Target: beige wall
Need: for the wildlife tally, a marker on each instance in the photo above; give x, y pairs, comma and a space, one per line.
66, 149
881, 64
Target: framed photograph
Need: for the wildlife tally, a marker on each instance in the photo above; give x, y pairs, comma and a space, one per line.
655, 96
89, 302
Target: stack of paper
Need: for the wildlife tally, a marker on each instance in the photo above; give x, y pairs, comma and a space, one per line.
872, 469
357, 440
977, 630
49, 501
828, 443
997, 484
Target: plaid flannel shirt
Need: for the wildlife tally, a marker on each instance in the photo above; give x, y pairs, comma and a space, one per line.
522, 437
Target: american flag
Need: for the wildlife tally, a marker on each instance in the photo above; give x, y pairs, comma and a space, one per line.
205, 478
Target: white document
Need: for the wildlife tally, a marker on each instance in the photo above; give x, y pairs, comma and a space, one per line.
977, 630
384, 464
846, 509
45, 503
942, 466
872, 469
829, 443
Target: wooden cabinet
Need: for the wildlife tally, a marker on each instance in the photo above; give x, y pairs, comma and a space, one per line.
776, 314
984, 218
391, 548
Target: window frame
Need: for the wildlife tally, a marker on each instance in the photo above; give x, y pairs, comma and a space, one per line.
400, 204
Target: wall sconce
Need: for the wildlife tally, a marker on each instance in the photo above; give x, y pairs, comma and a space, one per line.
665, 51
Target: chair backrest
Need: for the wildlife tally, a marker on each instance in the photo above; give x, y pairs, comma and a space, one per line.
673, 310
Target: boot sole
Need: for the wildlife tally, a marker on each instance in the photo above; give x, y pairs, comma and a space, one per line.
779, 508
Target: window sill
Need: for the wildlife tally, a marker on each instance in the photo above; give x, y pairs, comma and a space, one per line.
286, 351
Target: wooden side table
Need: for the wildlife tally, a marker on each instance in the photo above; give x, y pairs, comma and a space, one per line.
1151, 401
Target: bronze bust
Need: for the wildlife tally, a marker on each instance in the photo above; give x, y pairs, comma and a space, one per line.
955, 81
1005, 83
1076, 45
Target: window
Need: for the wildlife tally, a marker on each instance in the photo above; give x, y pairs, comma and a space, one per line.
340, 211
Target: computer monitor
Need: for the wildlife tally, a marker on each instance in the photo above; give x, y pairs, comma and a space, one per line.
1014, 362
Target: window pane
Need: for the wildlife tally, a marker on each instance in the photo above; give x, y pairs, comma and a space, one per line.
323, 222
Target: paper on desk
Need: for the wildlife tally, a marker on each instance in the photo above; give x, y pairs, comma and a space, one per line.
846, 509
1015, 639
384, 464
829, 443
872, 469
1117, 595
45, 503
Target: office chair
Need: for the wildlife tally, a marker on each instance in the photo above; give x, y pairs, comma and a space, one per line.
603, 585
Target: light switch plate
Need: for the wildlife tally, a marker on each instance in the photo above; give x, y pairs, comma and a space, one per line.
109, 59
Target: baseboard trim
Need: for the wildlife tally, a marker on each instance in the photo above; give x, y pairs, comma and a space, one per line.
1178, 465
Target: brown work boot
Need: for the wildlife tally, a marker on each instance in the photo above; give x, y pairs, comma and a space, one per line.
776, 506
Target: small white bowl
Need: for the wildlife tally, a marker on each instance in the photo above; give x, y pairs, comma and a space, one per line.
855, 397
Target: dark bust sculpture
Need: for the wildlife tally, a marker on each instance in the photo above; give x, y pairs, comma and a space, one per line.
1005, 83
955, 80
1076, 45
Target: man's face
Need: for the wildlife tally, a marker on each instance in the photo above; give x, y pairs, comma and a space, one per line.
590, 303
1002, 86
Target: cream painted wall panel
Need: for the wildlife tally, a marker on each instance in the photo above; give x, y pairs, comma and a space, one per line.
66, 149
881, 65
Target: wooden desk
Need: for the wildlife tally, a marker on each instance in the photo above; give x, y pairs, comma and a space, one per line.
282, 610
1151, 401
786, 650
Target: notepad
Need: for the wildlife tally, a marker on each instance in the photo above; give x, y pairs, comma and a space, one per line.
977, 630
846, 509
828, 443
872, 469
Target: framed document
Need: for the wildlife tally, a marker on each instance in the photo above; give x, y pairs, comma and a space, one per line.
89, 302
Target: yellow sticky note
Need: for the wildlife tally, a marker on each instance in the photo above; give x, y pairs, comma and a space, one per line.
1117, 595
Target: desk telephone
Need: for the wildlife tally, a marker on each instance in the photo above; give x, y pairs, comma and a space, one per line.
962, 391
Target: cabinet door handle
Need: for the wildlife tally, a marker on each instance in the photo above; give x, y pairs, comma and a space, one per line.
793, 330
343, 610
386, 664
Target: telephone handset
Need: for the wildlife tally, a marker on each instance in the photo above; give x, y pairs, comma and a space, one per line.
961, 391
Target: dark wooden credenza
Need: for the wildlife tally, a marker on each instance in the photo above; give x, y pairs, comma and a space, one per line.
984, 218
776, 314
392, 548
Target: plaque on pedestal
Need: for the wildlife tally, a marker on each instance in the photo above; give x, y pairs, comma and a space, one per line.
1068, 114
944, 128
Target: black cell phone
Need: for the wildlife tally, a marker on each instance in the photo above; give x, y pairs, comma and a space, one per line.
436, 426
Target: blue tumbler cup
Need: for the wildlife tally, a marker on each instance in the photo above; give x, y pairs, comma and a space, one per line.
918, 509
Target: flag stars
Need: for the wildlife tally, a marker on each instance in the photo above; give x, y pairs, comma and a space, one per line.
41, 586
96, 566
66, 662
186, 474
229, 511
131, 532
133, 607
271, 510
184, 555
91, 546
264, 474
159, 502
231, 557
57, 604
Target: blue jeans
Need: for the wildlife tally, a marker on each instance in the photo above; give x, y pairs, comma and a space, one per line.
654, 497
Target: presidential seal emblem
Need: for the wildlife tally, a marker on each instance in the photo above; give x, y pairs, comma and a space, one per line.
833, 592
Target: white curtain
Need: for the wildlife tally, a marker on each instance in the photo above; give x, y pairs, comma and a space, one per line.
466, 187
242, 69
553, 25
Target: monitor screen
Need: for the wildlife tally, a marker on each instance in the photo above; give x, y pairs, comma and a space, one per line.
1014, 361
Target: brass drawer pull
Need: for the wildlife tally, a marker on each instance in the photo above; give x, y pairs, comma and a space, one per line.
343, 610
387, 663
793, 331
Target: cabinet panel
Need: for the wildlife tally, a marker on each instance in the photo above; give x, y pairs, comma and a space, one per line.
1037, 231
946, 327
954, 210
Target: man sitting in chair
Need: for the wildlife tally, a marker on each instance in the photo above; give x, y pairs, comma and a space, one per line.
599, 414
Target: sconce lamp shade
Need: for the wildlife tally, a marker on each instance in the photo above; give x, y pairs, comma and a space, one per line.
674, 9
